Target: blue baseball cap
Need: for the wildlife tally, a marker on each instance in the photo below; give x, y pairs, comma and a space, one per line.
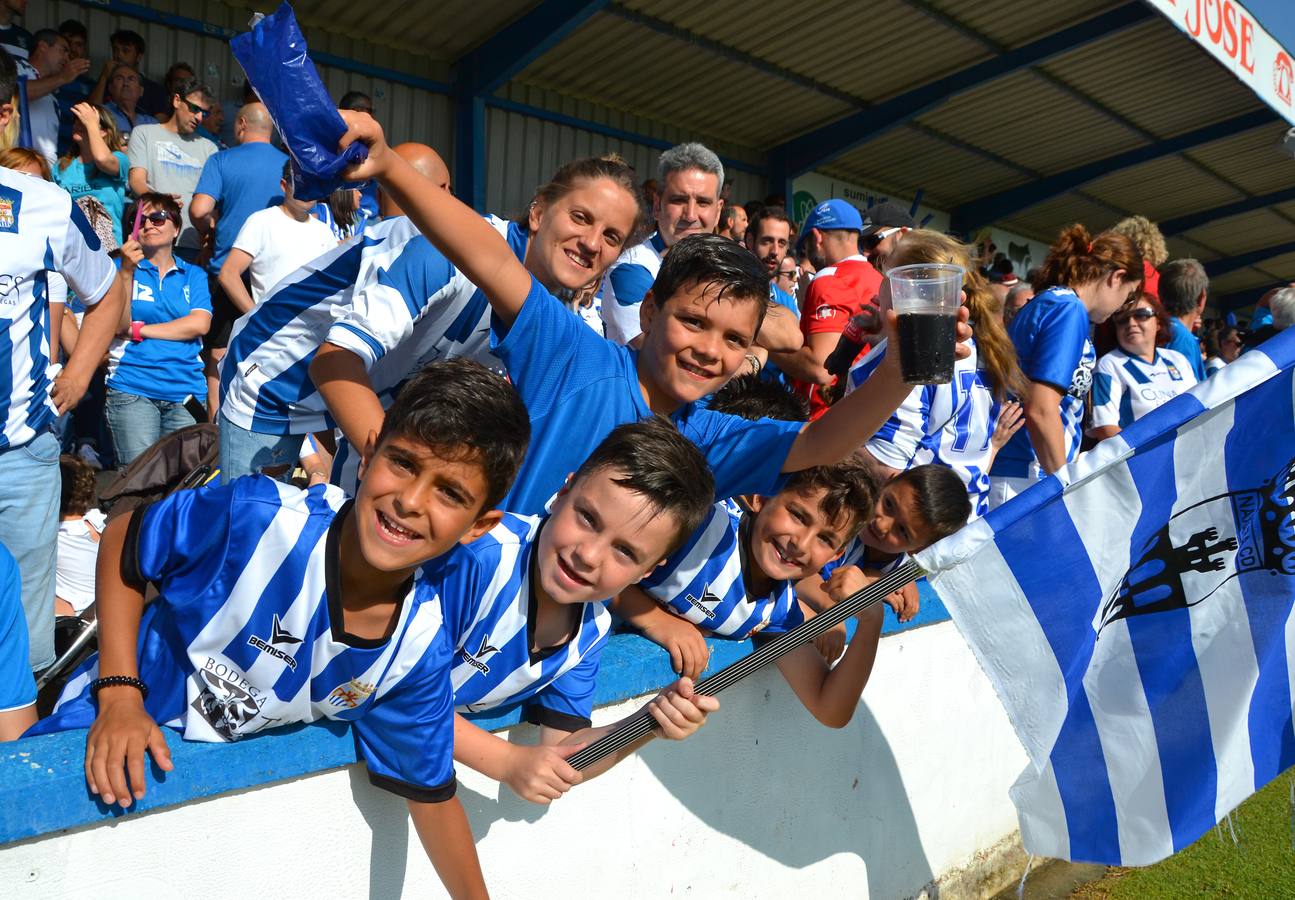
831, 215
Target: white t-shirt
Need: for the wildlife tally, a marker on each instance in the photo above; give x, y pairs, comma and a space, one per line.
78, 550
279, 245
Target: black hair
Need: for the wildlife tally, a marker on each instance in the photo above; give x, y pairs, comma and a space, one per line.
765, 214
941, 496
8, 78
652, 459
751, 397
46, 36
848, 487
356, 100
711, 261
461, 409
129, 38
176, 67
73, 28
186, 86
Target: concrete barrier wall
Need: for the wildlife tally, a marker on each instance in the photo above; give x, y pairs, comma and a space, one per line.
910, 798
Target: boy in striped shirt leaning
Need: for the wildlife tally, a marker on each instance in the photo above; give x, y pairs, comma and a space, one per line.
278, 606
526, 605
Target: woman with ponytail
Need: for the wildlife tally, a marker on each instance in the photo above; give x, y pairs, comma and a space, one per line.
1082, 282
951, 424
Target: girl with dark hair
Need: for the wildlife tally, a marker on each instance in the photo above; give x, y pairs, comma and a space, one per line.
1083, 280
951, 424
1141, 373
153, 366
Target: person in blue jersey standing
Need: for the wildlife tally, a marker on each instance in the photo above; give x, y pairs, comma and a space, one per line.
1139, 375
689, 202
41, 230
700, 319
526, 606
154, 370
233, 184
950, 424
1083, 280
332, 343
1184, 288
277, 606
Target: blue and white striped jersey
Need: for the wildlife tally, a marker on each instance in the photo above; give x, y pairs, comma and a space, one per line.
1126, 388
624, 286
387, 295
947, 424
703, 582
41, 230
1052, 343
487, 587
247, 633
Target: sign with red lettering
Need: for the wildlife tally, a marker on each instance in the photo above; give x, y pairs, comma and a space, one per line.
1235, 38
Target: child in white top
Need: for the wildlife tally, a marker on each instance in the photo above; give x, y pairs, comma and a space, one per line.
78, 538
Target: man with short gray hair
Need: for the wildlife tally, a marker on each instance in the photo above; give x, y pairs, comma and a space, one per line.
1283, 307
690, 178
1184, 286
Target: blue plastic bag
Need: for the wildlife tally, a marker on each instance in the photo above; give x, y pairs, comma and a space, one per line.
273, 54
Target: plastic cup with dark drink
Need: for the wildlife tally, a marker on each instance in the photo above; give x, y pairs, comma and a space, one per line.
926, 297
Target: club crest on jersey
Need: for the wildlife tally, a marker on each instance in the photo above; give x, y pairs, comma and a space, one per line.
1082, 381
351, 694
824, 312
478, 660
700, 605
10, 203
1206, 545
279, 638
227, 701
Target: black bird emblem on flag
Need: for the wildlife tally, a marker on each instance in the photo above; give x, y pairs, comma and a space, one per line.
1249, 531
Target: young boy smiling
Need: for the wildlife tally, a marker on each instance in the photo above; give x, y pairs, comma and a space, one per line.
699, 320
278, 606
525, 605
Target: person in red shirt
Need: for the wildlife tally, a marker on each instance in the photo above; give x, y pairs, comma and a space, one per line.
846, 283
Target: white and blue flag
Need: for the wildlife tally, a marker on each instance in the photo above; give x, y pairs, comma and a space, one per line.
1134, 613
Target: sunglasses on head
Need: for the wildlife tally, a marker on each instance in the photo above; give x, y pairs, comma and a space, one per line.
1141, 314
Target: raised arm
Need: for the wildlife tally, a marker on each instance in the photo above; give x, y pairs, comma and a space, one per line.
468, 240
344, 384
780, 330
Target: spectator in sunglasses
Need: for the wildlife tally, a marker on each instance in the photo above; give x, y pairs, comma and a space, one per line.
167, 158
1139, 375
883, 226
154, 373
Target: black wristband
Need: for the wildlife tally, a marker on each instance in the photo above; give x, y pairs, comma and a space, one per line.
117, 681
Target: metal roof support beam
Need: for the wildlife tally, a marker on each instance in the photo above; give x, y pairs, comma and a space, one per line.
1205, 217
1242, 260
801, 154
986, 210
484, 70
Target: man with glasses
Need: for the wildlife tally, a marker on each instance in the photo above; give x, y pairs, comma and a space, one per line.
168, 157
883, 226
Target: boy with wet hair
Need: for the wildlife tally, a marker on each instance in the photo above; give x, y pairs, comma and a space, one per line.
526, 605
278, 606
699, 321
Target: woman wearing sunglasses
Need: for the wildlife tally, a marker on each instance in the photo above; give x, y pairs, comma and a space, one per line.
154, 372
1141, 373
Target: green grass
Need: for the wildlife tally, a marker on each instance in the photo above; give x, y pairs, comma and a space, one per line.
1261, 865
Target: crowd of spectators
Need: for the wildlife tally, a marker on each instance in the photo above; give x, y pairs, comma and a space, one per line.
205, 240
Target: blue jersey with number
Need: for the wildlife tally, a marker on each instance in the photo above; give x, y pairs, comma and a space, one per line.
946, 424
156, 368
703, 582
1052, 344
489, 586
247, 633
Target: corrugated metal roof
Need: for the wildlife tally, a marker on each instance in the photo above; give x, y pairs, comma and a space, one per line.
747, 78
749, 106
